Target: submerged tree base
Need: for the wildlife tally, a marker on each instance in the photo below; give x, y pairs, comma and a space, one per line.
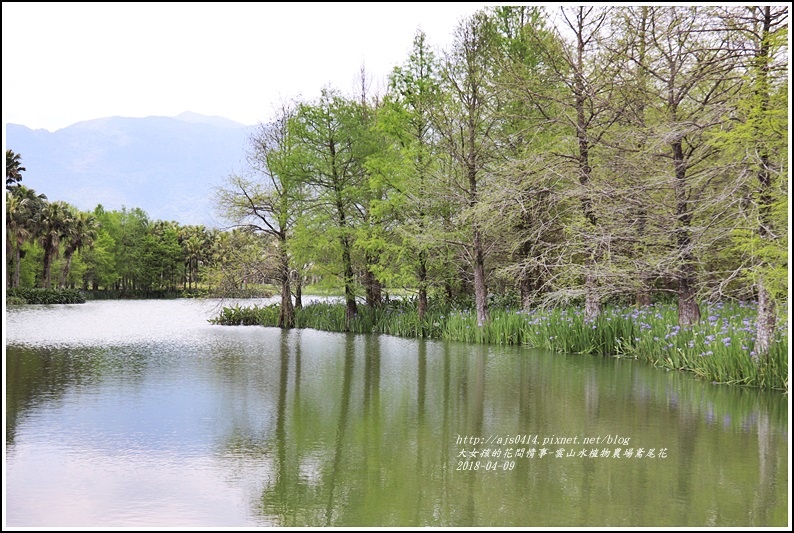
719, 349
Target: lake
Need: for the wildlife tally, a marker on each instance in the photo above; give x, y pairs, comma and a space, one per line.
142, 414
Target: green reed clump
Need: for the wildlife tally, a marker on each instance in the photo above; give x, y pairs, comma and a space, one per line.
563, 330
324, 316
398, 318
247, 316
46, 296
393, 318
503, 327
401, 318
720, 348
399, 321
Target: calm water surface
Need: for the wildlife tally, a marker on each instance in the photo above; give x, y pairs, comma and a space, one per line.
141, 413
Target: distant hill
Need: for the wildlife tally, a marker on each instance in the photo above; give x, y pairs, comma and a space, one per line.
167, 166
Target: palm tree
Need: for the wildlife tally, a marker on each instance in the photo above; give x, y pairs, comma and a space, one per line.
22, 208
54, 221
194, 240
15, 208
14, 169
80, 233
193, 247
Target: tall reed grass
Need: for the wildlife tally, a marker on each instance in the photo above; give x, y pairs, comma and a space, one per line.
44, 296
721, 348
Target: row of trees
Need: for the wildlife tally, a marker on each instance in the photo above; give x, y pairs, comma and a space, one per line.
577, 155
581, 154
53, 244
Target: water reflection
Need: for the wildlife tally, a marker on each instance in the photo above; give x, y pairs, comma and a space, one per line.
206, 425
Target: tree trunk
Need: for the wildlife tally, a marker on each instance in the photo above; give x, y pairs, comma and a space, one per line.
9, 253
767, 316
422, 275
298, 290
374, 297
592, 306
643, 298
765, 322
45, 275
422, 303
480, 289
592, 303
66, 267
688, 308
350, 296
528, 283
448, 289
286, 315
17, 262
525, 288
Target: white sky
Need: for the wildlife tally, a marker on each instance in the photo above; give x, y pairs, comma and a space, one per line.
68, 62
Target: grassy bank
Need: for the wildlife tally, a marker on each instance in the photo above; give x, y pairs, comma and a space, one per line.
721, 348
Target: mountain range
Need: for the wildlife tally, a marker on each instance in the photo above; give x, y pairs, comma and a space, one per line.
167, 166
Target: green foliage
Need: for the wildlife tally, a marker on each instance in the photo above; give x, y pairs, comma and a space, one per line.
14, 169
634, 154
145, 294
720, 349
247, 316
396, 317
46, 296
105, 250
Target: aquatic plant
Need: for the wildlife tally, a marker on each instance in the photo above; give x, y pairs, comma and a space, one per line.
719, 348
45, 296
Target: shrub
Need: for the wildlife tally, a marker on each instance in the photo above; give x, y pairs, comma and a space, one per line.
46, 296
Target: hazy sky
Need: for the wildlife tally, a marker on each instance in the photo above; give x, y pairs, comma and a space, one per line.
67, 62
